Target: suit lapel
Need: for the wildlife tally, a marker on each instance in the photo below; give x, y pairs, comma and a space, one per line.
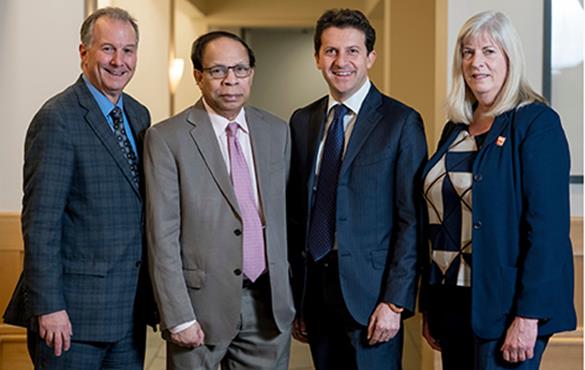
100, 127
206, 142
368, 117
261, 151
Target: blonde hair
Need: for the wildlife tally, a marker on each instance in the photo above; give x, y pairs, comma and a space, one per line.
515, 92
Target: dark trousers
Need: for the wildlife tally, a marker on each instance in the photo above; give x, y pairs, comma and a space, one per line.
125, 354
449, 319
337, 341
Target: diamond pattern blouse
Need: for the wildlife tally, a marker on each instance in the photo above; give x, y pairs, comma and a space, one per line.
447, 191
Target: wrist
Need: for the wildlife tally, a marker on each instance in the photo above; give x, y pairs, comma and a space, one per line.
394, 308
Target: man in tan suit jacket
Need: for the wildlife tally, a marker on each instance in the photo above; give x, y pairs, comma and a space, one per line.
212, 310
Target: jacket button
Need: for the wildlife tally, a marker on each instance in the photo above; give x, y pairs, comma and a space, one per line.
237, 272
477, 225
477, 177
238, 232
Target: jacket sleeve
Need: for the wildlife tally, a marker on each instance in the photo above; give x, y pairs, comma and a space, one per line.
402, 276
48, 172
546, 256
163, 228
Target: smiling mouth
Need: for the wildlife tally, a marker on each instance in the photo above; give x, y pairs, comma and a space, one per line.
480, 76
342, 73
116, 73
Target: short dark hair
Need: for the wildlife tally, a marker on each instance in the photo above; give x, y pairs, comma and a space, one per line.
345, 18
201, 42
119, 14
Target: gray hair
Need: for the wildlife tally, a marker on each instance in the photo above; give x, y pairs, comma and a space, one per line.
516, 90
114, 13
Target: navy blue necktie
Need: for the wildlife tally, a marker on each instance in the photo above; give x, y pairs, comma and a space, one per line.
322, 227
124, 144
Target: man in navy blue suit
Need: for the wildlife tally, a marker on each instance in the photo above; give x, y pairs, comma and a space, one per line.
353, 206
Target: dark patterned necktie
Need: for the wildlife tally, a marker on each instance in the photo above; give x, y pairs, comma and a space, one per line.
124, 144
322, 227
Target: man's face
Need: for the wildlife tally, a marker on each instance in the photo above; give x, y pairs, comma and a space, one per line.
225, 95
110, 59
344, 60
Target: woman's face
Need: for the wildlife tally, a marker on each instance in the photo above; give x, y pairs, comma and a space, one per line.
484, 67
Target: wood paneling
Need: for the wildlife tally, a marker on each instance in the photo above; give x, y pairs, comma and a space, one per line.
13, 353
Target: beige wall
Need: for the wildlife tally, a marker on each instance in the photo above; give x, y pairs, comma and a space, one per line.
412, 58
38, 58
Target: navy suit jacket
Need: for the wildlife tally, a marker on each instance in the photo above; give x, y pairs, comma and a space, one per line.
378, 202
82, 220
522, 262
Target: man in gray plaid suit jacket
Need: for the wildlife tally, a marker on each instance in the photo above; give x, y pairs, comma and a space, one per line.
84, 294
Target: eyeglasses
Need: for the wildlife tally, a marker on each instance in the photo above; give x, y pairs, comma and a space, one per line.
219, 71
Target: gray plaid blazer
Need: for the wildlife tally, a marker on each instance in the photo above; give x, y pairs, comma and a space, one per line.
82, 221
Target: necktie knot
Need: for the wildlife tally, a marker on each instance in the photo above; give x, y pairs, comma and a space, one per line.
116, 114
232, 129
339, 111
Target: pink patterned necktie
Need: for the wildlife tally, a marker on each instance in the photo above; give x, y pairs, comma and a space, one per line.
252, 236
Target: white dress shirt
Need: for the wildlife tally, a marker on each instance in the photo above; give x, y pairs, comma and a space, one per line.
354, 103
219, 124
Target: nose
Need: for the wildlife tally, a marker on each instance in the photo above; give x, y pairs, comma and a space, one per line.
230, 78
477, 59
117, 58
340, 59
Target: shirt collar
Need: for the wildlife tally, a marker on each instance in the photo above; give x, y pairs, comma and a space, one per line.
104, 103
219, 123
354, 102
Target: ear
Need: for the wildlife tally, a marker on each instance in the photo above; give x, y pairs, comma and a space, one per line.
371, 59
198, 76
82, 51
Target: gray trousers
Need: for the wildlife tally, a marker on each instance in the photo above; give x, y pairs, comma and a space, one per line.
258, 345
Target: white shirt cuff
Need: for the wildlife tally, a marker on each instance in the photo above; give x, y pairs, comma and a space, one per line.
179, 328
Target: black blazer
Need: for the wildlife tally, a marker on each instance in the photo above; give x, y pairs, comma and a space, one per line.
82, 220
378, 202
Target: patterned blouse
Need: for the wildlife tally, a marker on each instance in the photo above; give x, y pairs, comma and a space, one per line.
447, 191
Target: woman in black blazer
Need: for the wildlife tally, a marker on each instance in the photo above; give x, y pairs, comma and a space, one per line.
499, 279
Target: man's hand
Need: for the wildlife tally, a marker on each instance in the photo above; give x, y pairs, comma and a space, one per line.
427, 335
55, 329
191, 337
520, 340
299, 331
384, 323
